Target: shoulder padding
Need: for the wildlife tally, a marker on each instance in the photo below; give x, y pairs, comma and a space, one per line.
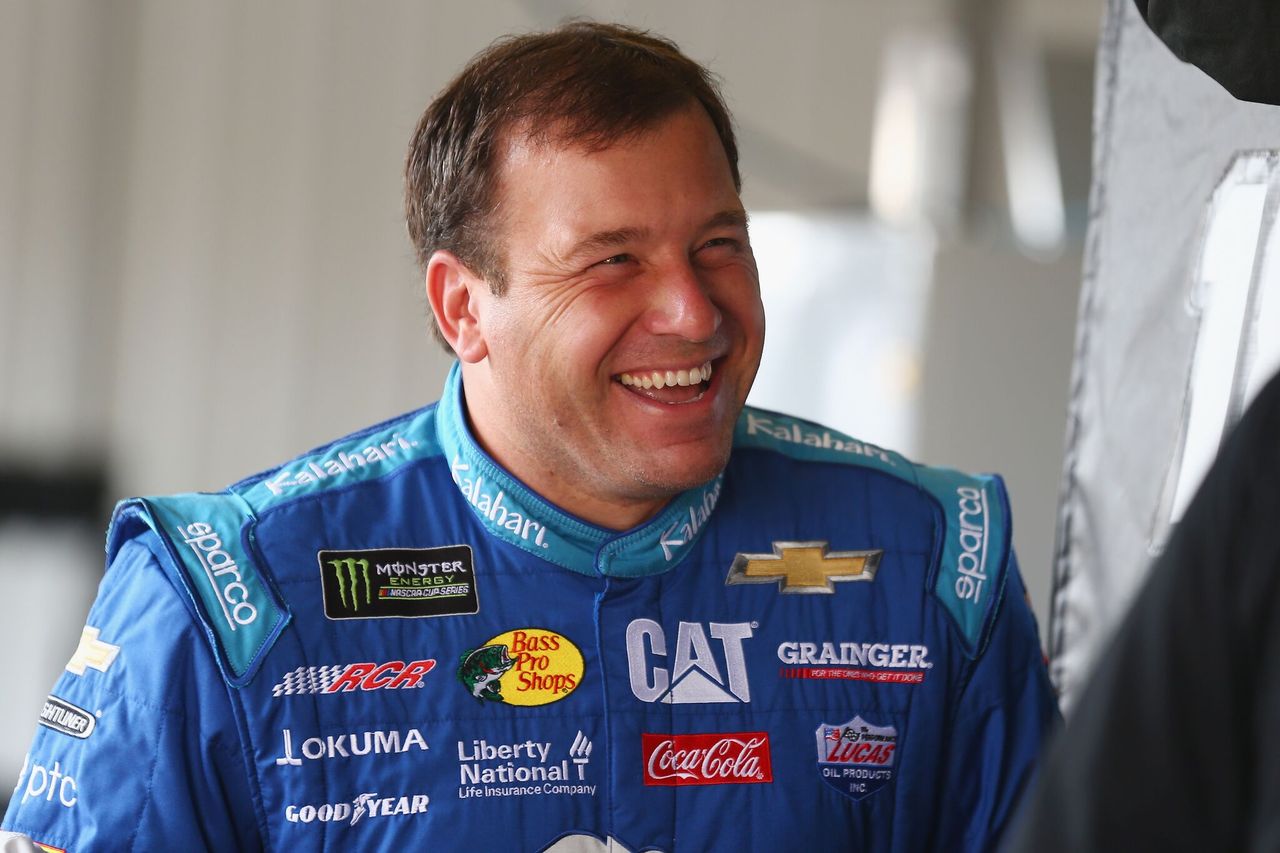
973, 546
208, 539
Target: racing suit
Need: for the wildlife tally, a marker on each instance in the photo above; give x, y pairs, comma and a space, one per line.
391, 643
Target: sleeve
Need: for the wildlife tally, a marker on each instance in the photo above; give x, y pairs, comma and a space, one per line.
138, 746
1173, 743
1000, 721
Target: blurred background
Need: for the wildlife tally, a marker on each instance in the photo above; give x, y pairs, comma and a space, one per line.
204, 269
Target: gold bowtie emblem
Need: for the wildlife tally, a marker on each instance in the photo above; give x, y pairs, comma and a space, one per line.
91, 652
804, 567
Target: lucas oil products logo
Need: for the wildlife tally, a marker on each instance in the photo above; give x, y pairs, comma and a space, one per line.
398, 582
524, 768
856, 758
344, 677
368, 805
527, 666
734, 758
695, 670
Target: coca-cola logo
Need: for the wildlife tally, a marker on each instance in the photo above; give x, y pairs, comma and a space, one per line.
721, 758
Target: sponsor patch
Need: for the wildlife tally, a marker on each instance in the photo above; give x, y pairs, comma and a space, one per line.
51, 784
884, 663
695, 670
49, 848
403, 583
527, 666
856, 758
368, 805
804, 567
733, 758
524, 768
344, 677
349, 745
61, 716
92, 653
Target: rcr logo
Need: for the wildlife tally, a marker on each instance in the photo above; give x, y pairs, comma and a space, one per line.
695, 676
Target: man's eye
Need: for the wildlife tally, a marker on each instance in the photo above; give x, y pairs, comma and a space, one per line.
719, 241
615, 260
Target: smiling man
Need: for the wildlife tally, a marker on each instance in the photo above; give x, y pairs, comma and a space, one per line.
587, 601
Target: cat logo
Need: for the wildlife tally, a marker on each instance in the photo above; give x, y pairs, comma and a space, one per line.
804, 567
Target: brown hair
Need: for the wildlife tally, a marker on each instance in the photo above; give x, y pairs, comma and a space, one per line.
585, 83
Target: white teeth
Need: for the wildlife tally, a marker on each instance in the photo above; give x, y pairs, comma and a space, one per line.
668, 378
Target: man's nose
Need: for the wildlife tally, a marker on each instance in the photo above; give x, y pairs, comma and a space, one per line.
682, 304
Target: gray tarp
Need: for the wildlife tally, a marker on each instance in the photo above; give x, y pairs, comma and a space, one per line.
1178, 319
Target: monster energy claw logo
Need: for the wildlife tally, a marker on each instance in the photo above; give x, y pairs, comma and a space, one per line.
348, 579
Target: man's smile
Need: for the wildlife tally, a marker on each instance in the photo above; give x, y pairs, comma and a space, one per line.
679, 385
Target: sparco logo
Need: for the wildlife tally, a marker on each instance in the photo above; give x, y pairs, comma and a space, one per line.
223, 573
694, 675
365, 805
347, 745
62, 716
339, 678
736, 758
972, 562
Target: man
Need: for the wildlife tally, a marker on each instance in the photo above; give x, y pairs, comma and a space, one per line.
584, 602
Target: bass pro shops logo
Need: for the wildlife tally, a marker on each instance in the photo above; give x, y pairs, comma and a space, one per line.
695, 675
528, 667
401, 583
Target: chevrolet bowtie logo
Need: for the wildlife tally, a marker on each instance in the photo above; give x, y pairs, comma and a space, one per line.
804, 567
91, 652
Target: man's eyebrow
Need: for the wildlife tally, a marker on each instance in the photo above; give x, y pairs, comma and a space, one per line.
611, 239
602, 240
731, 218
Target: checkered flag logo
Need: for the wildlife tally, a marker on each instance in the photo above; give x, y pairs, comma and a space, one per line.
308, 679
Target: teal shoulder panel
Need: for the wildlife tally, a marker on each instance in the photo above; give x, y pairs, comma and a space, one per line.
207, 537
974, 542
801, 439
362, 456
975, 552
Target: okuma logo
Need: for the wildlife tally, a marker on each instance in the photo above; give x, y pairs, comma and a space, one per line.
696, 674
527, 666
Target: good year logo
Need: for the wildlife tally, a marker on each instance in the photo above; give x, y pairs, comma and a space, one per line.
526, 666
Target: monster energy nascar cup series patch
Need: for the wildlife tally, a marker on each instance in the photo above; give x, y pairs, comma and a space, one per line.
398, 582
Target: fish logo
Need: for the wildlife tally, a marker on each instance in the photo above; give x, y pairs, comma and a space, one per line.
481, 669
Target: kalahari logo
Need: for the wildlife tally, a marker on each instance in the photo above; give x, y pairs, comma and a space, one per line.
527, 666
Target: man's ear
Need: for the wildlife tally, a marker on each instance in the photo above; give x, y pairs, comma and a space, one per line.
456, 294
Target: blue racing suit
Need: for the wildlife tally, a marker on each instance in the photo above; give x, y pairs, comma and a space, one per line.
392, 643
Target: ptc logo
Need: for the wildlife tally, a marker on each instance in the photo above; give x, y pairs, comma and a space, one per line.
695, 676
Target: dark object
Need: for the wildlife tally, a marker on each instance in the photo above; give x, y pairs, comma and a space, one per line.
1236, 42
1173, 744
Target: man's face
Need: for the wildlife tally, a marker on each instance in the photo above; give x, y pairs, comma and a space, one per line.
627, 268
